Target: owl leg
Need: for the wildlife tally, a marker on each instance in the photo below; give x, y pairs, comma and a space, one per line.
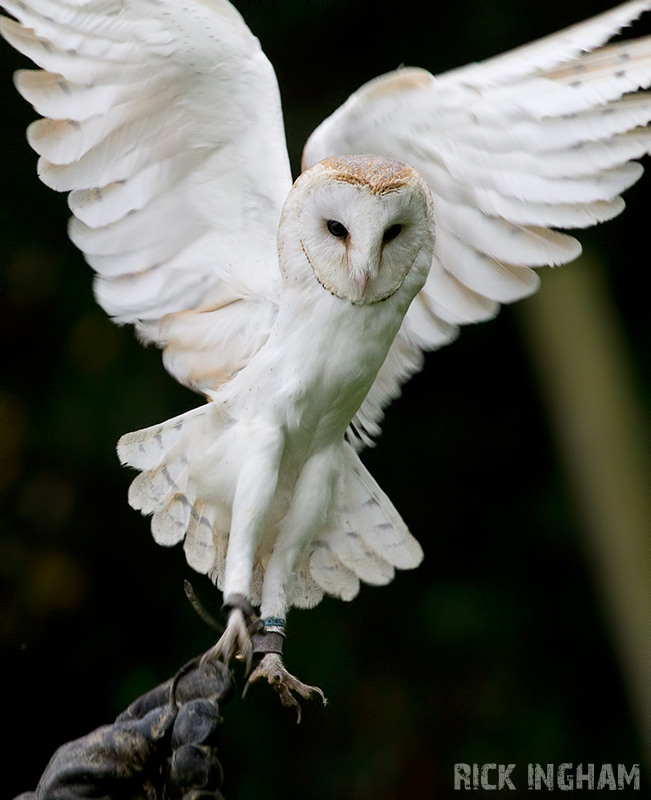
304, 520
254, 492
269, 644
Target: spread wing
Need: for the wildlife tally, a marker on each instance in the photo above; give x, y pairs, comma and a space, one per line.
163, 121
512, 148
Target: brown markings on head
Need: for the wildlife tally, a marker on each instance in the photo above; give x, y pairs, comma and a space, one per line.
381, 175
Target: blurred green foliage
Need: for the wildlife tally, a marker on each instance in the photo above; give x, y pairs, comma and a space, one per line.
494, 650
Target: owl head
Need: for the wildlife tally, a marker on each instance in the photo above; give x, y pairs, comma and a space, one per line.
365, 226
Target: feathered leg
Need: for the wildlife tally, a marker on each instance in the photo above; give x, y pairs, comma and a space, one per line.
304, 520
254, 492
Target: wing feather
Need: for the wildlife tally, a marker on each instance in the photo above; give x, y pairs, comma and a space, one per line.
542, 137
163, 120
552, 50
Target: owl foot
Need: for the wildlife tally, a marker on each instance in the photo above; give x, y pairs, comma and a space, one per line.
272, 668
235, 642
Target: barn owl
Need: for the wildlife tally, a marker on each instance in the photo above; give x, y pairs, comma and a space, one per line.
298, 311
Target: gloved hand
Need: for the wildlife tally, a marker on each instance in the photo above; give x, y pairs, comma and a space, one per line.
163, 747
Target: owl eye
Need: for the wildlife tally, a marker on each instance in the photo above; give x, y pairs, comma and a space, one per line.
391, 232
337, 229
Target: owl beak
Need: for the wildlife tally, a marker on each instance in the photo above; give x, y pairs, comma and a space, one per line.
363, 262
362, 271
361, 283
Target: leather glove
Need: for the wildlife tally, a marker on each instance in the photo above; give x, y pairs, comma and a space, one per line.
163, 747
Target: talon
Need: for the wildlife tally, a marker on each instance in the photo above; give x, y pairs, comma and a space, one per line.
235, 642
272, 668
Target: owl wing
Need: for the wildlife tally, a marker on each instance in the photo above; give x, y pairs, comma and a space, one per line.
163, 121
512, 148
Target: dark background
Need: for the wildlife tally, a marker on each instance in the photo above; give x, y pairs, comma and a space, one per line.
495, 650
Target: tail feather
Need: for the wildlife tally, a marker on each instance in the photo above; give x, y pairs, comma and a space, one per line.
379, 524
147, 448
331, 575
168, 525
152, 490
164, 489
365, 539
353, 552
199, 545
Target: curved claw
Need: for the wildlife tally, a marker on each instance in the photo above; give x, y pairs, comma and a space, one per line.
272, 668
234, 642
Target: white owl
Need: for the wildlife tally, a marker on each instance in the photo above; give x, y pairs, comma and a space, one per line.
299, 311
